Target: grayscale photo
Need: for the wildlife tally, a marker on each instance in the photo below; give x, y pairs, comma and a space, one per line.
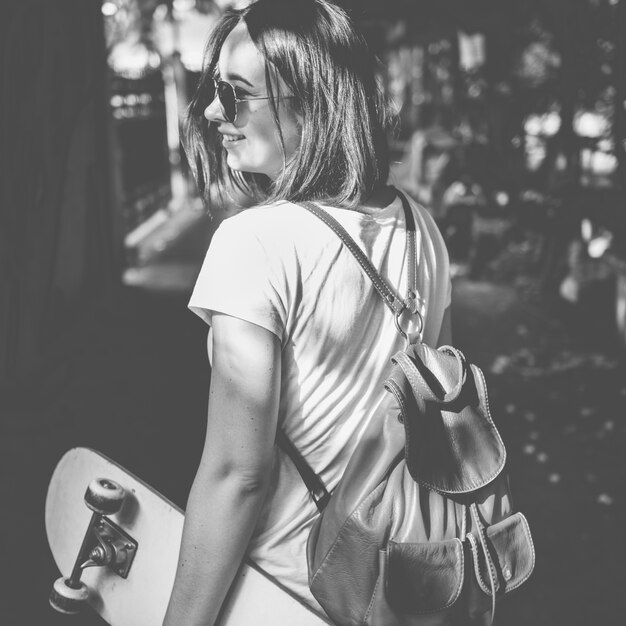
313, 312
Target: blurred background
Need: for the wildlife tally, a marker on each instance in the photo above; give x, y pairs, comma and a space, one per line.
511, 130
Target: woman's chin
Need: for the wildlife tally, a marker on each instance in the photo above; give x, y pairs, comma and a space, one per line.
234, 162
237, 165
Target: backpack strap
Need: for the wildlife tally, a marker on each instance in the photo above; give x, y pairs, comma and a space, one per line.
390, 298
313, 482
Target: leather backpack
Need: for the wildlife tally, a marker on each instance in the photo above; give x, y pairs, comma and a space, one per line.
421, 529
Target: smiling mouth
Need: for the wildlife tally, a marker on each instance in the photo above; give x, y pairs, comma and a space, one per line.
229, 140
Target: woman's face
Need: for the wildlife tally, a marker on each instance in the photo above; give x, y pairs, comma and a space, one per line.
252, 141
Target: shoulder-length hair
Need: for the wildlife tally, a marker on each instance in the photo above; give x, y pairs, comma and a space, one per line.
325, 62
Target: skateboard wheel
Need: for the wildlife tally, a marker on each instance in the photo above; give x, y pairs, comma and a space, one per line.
104, 496
66, 599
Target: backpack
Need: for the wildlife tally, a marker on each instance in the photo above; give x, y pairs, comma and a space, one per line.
420, 530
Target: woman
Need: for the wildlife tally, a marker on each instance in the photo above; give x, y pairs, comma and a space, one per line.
288, 109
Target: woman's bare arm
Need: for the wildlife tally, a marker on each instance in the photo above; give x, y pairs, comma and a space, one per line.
233, 476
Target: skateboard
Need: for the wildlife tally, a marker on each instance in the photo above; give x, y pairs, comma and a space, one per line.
116, 542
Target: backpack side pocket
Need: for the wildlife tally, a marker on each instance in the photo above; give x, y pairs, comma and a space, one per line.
512, 552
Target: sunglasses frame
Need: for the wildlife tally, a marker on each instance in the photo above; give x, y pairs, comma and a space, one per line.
216, 83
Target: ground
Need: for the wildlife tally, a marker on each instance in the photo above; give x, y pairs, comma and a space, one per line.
131, 380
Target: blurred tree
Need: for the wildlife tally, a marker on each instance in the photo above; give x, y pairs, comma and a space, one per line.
58, 249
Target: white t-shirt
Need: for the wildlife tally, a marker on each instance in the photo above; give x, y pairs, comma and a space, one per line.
281, 268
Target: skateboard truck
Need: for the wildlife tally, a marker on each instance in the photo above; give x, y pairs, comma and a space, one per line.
105, 544
115, 548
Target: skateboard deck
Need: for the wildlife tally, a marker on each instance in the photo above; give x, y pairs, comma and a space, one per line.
152, 526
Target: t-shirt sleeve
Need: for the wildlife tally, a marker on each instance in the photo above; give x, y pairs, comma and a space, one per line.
438, 285
440, 260
239, 278
447, 278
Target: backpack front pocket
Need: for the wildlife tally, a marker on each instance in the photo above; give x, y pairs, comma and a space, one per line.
424, 577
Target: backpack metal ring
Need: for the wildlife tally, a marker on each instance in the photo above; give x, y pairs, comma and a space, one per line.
420, 328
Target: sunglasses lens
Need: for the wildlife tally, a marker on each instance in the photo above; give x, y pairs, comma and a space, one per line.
226, 94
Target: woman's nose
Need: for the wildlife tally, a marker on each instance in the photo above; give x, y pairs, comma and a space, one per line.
214, 112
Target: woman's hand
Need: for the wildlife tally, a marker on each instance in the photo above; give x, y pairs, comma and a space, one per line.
235, 468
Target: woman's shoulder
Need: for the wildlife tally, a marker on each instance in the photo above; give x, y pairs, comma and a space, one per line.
426, 221
419, 210
264, 215
432, 242
273, 226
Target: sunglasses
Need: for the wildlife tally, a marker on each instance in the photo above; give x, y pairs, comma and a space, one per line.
228, 99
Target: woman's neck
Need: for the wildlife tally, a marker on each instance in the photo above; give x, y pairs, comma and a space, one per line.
381, 197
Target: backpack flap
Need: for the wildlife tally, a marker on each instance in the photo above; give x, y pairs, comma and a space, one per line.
423, 577
512, 553
452, 445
